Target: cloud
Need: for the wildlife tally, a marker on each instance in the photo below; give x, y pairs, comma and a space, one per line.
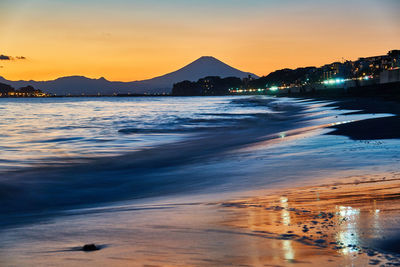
4, 57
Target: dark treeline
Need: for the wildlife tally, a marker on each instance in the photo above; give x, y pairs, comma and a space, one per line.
287, 77
27, 91
212, 85
217, 86
5, 89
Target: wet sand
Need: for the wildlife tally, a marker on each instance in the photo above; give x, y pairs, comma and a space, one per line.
348, 221
370, 129
353, 222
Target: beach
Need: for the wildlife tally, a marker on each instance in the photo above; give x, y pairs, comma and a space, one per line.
313, 189
199, 133
351, 221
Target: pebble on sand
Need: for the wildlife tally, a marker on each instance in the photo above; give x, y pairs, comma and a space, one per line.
90, 247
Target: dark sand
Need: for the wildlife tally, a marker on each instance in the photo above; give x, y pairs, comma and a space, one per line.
371, 129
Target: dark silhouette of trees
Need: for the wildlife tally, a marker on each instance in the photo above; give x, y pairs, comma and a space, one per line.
5, 89
212, 85
186, 88
27, 91
286, 77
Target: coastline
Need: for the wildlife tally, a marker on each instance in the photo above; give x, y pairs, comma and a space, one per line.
351, 221
200, 133
369, 129
259, 230
344, 223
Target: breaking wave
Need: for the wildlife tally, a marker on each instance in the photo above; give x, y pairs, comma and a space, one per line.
189, 162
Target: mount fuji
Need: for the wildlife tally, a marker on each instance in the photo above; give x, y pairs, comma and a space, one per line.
78, 85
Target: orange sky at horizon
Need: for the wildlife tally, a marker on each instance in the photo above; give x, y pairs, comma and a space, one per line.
130, 40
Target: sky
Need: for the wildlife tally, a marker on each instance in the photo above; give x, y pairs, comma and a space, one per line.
127, 40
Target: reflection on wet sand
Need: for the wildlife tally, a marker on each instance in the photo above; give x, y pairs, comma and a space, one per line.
338, 222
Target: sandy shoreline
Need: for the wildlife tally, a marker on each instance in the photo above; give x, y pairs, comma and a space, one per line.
346, 223
374, 128
346, 220
352, 221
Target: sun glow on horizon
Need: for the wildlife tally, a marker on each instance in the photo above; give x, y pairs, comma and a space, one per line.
135, 40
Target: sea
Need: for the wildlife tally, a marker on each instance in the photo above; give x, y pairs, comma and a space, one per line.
117, 170
58, 154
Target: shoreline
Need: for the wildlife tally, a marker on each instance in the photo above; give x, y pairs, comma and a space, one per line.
273, 227
369, 129
348, 221
345, 221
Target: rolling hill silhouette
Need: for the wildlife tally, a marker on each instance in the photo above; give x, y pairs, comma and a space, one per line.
77, 85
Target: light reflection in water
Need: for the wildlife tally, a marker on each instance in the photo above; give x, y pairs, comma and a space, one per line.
285, 215
377, 231
310, 221
347, 234
287, 246
288, 250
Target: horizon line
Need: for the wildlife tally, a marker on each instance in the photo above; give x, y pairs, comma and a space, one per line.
141, 80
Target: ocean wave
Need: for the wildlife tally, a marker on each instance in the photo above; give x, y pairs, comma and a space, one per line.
162, 131
179, 166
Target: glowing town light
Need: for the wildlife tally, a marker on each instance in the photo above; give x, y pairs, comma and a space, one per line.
274, 88
334, 81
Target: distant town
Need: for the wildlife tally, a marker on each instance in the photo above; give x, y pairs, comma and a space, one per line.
362, 73
365, 74
27, 91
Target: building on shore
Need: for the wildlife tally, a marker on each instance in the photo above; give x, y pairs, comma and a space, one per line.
390, 76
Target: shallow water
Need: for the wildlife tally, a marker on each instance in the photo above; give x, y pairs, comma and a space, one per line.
71, 153
136, 176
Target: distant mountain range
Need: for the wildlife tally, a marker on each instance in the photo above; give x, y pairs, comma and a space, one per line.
77, 85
